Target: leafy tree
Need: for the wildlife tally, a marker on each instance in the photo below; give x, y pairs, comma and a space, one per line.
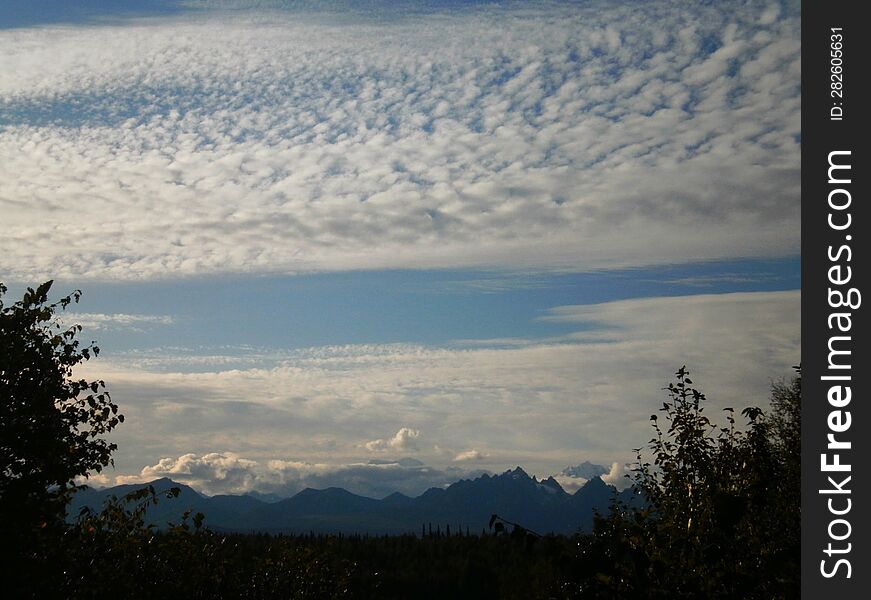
722, 506
51, 423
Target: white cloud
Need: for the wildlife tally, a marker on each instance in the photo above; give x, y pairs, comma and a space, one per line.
574, 478
102, 322
94, 480
559, 136
224, 471
405, 440
570, 484
228, 473
469, 455
770, 14
617, 476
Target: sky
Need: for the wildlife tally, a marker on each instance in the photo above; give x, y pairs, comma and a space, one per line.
388, 245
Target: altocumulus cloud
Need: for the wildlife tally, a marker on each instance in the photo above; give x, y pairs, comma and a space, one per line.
544, 135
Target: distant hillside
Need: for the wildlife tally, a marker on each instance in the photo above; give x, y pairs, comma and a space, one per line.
542, 506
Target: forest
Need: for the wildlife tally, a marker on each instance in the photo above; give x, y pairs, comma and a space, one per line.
719, 518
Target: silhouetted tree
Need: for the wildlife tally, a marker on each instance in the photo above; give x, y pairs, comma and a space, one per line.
51, 424
722, 515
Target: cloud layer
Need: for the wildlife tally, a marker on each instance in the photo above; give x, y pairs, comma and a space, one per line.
537, 404
228, 473
555, 135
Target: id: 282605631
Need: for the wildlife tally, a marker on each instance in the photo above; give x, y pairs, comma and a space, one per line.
836, 73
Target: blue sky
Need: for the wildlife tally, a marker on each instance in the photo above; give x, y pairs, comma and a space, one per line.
437, 307
315, 235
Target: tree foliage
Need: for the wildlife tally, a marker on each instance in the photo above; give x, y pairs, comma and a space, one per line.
722, 512
51, 423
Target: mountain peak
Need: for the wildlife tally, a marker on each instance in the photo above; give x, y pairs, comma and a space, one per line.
516, 473
164, 484
595, 483
552, 483
163, 481
586, 469
397, 499
333, 492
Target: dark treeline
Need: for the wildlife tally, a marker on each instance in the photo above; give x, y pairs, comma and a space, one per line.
204, 564
132, 559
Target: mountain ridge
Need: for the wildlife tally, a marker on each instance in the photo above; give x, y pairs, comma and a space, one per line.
542, 506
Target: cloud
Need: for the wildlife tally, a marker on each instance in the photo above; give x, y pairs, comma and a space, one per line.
547, 136
225, 470
117, 321
574, 478
404, 440
94, 480
469, 455
570, 484
720, 279
228, 473
617, 476
538, 404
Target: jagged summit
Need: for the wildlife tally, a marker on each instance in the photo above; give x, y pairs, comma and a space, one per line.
594, 483
516, 473
551, 483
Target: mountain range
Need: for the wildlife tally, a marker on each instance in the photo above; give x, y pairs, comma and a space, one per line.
542, 506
